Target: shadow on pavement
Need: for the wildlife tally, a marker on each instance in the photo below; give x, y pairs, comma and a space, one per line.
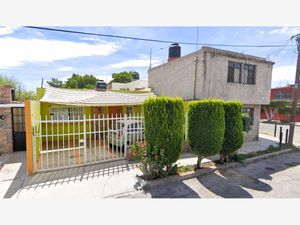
47, 179
230, 183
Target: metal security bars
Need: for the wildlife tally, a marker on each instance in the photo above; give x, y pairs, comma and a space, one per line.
241, 73
81, 140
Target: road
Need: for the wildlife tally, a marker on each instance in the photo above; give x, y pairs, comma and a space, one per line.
268, 129
277, 177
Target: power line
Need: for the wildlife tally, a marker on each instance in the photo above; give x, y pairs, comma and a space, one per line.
151, 40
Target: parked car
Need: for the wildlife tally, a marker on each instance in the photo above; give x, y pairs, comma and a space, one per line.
135, 132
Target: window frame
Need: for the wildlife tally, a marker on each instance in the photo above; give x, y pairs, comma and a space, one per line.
251, 112
66, 112
242, 70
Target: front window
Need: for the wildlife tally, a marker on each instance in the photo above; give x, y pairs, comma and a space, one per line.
278, 95
250, 112
241, 73
66, 112
286, 95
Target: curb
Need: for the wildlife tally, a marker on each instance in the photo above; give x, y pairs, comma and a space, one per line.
144, 184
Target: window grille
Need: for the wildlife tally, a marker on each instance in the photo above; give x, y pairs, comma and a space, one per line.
66, 112
241, 73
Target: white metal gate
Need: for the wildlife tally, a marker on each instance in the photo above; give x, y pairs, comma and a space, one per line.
82, 140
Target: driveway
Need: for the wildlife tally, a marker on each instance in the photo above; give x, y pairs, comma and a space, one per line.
277, 177
95, 181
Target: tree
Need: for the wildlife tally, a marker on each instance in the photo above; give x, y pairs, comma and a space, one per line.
206, 127
78, 81
20, 91
55, 82
135, 75
271, 109
125, 76
233, 136
164, 119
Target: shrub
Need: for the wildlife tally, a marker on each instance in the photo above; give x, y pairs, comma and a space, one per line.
206, 125
246, 122
152, 160
233, 136
164, 120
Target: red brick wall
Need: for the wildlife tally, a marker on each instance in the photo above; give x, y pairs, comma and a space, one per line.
6, 140
5, 94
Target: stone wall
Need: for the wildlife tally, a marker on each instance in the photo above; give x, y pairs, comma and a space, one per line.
6, 140
5, 94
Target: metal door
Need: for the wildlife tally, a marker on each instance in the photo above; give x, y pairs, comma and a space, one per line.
19, 134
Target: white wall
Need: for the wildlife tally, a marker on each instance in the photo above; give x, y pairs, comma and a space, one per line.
130, 86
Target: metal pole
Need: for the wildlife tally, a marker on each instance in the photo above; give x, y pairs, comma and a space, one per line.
286, 135
275, 128
150, 58
295, 96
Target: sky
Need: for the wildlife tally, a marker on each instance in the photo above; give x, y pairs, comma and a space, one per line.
30, 55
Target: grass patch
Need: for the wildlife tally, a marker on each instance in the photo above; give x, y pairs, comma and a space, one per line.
186, 168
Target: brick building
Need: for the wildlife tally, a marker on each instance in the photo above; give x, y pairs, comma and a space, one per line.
12, 129
282, 94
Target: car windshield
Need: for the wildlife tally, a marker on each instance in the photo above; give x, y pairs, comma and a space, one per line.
117, 125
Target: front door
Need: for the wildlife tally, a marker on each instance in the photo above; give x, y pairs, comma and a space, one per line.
19, 134
113, 110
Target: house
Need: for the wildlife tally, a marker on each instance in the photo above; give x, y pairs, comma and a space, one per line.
282, 94
73, 127
215, 73
137, 85
12, 122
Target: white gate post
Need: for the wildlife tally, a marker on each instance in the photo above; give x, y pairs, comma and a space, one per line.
84, 138
125, 135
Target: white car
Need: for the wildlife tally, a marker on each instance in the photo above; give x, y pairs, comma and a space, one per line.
135, 132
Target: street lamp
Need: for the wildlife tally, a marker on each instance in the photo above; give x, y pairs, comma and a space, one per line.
151, 55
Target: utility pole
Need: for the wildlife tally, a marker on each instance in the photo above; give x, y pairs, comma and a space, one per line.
295, 96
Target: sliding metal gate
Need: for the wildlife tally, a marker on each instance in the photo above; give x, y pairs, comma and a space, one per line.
81, 140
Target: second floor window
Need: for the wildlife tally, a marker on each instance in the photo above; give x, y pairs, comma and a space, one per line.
241, 73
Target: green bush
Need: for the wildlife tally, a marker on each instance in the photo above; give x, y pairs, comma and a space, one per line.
233, 136
164, 119
246, 122
152, 160
206, 126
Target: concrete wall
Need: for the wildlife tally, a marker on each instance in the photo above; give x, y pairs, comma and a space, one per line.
177, 77
252, 134
131, 86
6, 139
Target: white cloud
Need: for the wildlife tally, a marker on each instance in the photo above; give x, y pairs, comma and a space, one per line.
286, 30
65, 68
283, 75
133, 63
15, 52
7, 30
92, 39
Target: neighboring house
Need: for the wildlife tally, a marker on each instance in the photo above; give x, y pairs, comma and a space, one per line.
215, 73
12, 122
282, 94
137, 85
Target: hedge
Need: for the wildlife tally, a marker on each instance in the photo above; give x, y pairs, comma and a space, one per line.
164, 120
233, 136
206, 126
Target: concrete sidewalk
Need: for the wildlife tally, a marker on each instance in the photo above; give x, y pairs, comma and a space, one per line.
106, 180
